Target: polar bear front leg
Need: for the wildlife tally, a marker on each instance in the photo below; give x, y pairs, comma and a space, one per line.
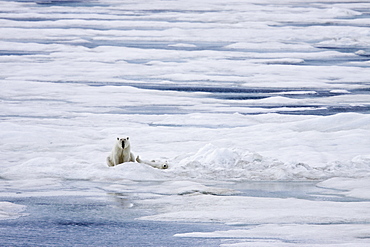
116, 160
109, 162
132, 157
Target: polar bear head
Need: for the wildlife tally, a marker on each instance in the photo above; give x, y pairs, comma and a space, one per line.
123, 142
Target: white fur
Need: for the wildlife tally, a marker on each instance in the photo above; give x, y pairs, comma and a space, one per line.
121, 153
153, 163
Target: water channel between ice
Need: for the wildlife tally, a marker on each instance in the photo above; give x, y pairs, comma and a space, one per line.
86, 215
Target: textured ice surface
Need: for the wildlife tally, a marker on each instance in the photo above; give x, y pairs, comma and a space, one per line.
225, 92
10, 210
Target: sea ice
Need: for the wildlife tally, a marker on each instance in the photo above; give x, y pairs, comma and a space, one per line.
11, 210
224, 92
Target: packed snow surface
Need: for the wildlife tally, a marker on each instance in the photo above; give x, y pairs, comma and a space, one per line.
10, 210
225, 92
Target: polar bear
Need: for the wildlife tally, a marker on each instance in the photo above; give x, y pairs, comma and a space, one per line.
121, 152
153, 163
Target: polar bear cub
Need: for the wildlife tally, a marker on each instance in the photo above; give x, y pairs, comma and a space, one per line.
121, 152
153, 163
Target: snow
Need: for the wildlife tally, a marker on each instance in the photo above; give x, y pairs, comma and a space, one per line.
251, 210
224, 93
350, 187
286, 235
11, 210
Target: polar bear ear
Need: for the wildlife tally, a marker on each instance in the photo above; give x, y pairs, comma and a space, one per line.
128, 138
117, 138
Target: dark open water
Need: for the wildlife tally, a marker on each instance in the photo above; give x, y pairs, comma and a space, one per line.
80, 221
110, 219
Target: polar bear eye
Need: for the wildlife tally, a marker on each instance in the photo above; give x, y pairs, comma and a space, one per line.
127, 138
